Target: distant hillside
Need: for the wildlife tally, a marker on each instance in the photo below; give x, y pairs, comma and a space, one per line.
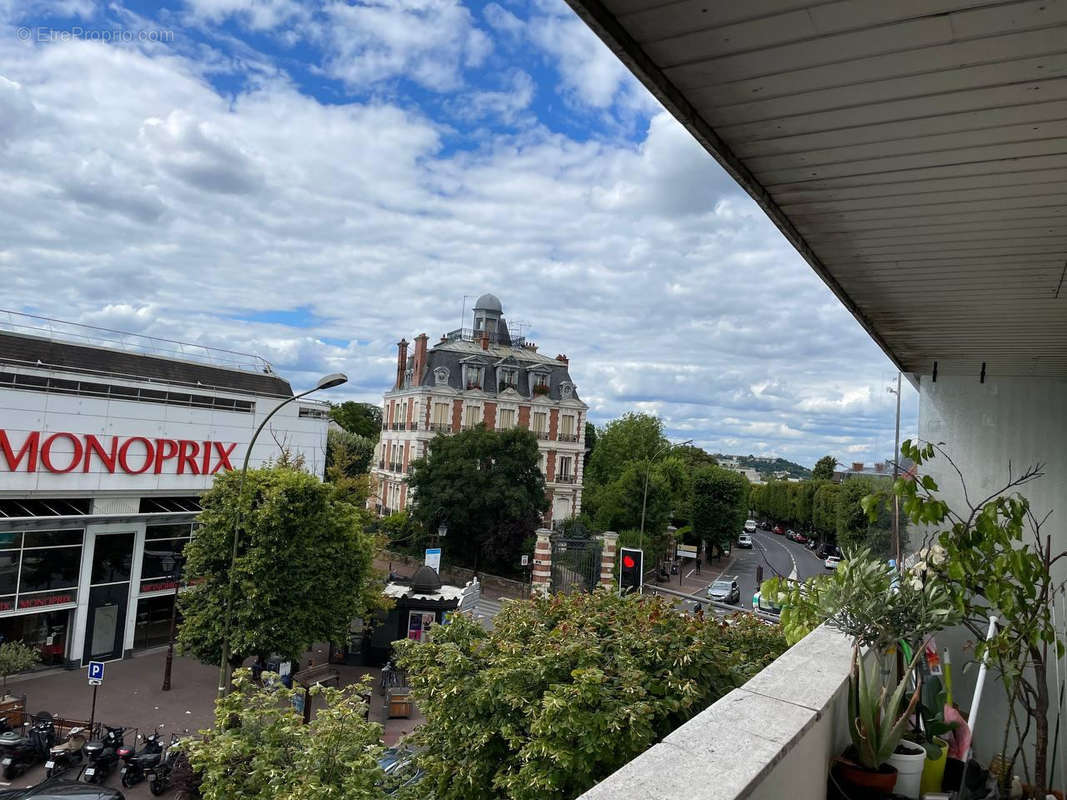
767, 466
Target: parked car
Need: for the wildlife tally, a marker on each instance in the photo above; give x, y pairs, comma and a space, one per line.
764, 525
766, 606
779, 530
398, 764
800, 538
832, 562
725, 590
750, 526
59, 789
744, 540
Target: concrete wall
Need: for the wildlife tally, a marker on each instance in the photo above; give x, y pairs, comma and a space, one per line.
774, 737
984, 427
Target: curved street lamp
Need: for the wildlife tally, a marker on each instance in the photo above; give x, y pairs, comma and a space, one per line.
327, 382
648, 468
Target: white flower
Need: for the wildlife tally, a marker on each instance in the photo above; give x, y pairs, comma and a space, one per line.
915, 583
919, 567
937, 555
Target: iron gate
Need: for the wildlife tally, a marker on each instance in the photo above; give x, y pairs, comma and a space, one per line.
575, 564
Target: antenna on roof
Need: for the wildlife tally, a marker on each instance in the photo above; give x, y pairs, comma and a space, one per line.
463, 311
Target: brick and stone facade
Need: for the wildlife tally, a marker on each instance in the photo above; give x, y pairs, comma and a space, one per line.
481, 376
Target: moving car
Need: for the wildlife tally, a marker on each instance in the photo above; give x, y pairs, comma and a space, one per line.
744, 540
725, 590
779, 530
750, 526
832, 562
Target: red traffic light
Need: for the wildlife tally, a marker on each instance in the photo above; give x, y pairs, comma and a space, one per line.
628, 562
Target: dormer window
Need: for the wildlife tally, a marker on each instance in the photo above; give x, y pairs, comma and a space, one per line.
472, 376
509, 378
540, 384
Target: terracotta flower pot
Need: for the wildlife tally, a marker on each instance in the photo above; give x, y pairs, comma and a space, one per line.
861, 783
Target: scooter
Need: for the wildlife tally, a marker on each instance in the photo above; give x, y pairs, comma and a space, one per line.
159, 776
135, 764
66, 755
102, 755
18, 753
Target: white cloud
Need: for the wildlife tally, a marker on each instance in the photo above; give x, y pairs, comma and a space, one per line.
430, 42
138, 197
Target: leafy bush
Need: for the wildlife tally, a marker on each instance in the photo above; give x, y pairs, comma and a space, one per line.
565, 690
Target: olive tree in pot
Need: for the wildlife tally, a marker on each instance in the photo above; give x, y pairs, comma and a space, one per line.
878, 608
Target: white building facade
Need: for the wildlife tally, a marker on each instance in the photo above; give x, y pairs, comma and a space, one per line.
104, 453
482, 376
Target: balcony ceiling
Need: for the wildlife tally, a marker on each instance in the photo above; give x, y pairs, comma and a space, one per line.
913, 151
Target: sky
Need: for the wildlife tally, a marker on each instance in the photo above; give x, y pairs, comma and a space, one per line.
310, 182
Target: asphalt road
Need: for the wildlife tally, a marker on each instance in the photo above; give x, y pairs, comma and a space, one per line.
778, 555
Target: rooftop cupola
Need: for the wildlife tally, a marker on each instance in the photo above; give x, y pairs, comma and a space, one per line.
487, 313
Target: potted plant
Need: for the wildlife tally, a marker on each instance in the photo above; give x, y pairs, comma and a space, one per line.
929, 728
879, 607
876, 726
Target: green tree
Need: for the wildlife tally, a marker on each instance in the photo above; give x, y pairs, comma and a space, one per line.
720, 505
16, 656
775, 496
854, 529
824, 510
303, 568
565, 690
801, 501
631, 437
824, 468
348, 453
590, 445
489, 489
260, 749
618, 504
694, 457
363, 419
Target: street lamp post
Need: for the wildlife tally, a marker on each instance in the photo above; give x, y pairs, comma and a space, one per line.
648, 468
177, 572
328, 382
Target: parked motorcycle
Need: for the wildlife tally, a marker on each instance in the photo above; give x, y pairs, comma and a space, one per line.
19, 752
160, 776
102, 755
69, 753
136, 763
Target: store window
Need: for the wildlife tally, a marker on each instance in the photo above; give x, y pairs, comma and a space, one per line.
113, 558
152, 627
162, 558
39, 568
47, 633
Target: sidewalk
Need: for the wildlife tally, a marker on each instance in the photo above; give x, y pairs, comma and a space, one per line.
131, 697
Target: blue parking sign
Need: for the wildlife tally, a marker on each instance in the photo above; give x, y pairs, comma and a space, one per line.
96, 672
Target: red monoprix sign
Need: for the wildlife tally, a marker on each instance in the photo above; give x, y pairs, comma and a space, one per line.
70, 452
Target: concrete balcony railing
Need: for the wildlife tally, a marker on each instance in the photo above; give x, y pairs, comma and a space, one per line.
774, 737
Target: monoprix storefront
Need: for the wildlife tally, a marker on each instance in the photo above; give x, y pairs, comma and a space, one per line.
104, 452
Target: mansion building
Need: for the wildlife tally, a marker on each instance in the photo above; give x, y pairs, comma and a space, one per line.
481, 376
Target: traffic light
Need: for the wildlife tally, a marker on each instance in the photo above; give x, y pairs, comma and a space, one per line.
631, 570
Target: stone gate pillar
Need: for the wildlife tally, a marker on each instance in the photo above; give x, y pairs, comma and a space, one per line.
607, 558
541, 577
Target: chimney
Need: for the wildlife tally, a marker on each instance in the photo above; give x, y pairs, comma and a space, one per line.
401, 362
857, 466
420, 358
879, 467
563, 358
485, 340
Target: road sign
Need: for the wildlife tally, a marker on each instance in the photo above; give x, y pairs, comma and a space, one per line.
433, 558
524, 561
96, 673
687, 551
